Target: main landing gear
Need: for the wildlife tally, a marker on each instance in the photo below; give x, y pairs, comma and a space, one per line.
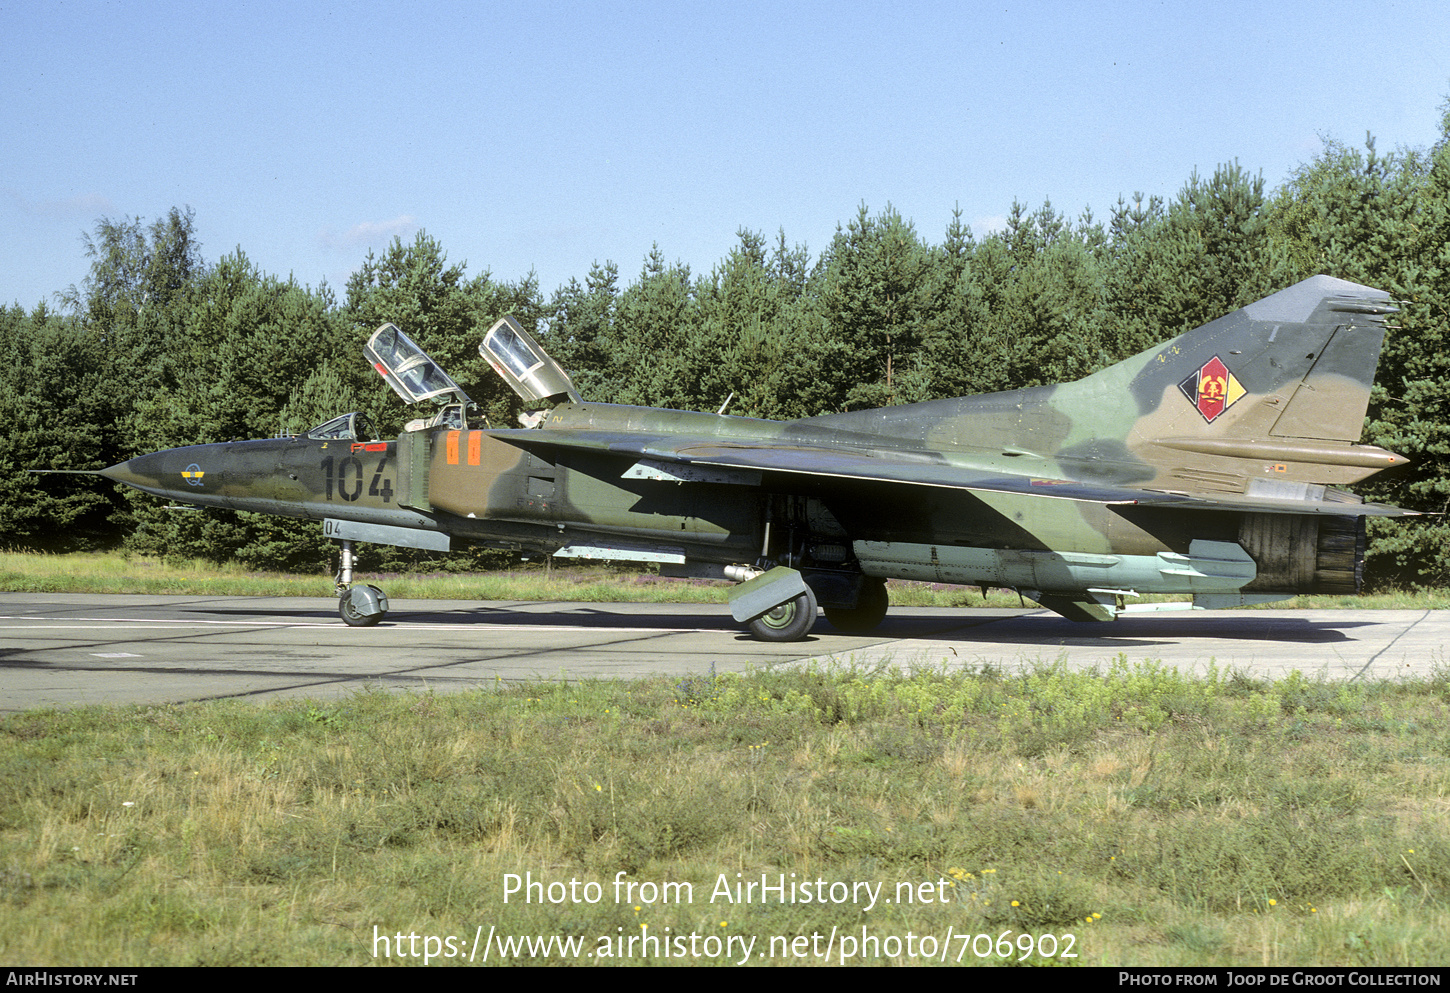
781, 605
792, 620
359, 606
787, 622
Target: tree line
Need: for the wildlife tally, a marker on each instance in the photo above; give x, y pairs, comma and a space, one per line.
160, 347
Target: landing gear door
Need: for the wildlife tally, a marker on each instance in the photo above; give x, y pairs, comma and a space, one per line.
522, 363
407, 368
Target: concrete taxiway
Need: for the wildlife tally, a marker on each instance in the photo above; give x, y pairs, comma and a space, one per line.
64, 650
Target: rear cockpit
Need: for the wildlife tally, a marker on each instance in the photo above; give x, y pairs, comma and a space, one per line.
522, 363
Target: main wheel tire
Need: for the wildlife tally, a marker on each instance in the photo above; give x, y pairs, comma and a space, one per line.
867, 615
788, 622
352, 616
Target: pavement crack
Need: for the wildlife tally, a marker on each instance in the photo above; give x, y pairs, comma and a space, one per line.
1393, 641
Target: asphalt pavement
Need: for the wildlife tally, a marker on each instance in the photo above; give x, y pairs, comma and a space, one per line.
64, 650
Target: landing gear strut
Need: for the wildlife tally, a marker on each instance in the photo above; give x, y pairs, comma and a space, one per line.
359, 606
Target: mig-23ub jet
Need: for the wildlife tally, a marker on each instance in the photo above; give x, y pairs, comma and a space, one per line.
1210, 466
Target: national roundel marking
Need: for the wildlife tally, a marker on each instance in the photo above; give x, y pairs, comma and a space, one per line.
1212, 389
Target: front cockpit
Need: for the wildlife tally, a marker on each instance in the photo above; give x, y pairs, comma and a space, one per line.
407, 368
356, 426
415, 377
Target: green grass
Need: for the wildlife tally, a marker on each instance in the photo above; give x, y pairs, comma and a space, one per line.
1157, 819
108, 572
116, 573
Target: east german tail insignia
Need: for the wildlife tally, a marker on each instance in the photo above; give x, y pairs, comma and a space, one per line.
1212, 389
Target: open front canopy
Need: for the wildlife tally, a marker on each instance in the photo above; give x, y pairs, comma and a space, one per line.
407, 368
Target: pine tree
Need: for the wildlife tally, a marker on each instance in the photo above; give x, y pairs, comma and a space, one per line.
874, 309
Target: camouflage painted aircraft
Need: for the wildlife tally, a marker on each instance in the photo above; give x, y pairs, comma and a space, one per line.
1211, 465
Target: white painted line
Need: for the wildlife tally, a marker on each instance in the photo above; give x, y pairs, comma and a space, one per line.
154, 622
100, 623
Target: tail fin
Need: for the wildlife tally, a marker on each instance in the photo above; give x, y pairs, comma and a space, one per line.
1274, 392
1267, 400
1297, 364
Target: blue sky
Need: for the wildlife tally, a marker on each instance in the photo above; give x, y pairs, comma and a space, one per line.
546, 136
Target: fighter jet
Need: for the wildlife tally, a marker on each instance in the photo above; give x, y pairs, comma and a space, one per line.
1211, 466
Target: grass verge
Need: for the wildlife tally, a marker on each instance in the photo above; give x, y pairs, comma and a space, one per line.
111, 572
1128, 816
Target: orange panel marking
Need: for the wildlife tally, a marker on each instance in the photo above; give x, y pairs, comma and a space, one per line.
475, 447
452, 447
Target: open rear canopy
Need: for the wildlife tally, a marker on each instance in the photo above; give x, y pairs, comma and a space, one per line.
524, 365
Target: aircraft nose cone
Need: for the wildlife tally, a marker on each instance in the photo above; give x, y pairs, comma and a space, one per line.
158, 473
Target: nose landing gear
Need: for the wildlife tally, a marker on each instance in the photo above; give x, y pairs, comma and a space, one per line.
359, 606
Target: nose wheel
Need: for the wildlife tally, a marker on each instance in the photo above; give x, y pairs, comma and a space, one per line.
358, 606
362, 606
